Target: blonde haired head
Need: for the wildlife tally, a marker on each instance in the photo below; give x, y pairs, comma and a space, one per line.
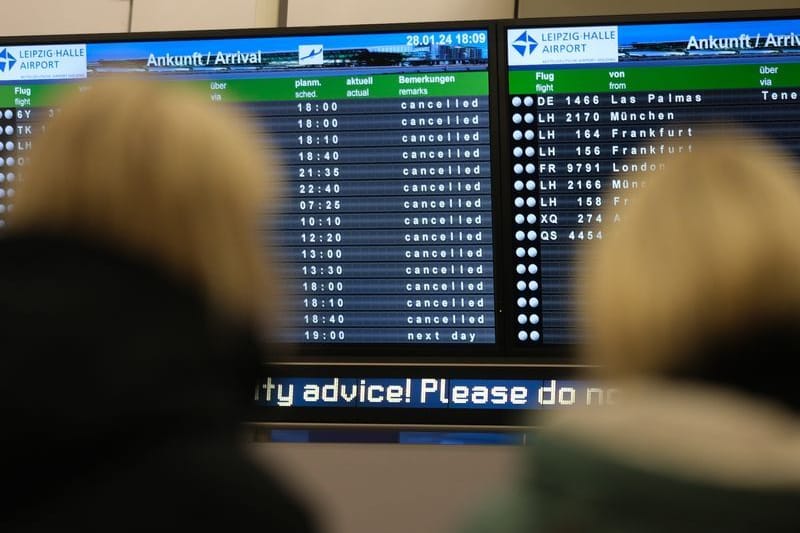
709, 248
156, 172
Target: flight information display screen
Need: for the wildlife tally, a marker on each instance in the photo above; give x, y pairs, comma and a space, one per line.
439, 180
430, 201
588, 107
385, 233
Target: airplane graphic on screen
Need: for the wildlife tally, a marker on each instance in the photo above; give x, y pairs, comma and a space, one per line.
309, 54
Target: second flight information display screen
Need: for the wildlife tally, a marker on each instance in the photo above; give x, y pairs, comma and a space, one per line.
594, 111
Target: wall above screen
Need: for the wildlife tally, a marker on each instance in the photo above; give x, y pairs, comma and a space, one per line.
333, 12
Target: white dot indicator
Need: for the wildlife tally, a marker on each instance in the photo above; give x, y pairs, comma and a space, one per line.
529, 135
520, 252
8, 114
516, 118
9, 145
2, 193
530, 151
518, 168
533, 302
3, 178
2, 147
532, 285
535, 336
516, 101
520, 235
530, 185
2, 162
518, 185
531, 235
529, 101
534, 319
10, 176
519, 218
529, 118
531, 201
530, 168
11, 193
522, 335
9, 130
531, 219
10, 161
533, 269
521, 269
518, 151
521, 286
519, 202
517, 135
532, 252
522, 319
2, 209
2, 223
522, 302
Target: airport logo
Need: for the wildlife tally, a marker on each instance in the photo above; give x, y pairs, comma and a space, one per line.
561, 46
309, 54
524, 44
46, 62
7, 60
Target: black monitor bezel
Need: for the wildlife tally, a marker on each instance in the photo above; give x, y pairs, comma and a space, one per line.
501, 360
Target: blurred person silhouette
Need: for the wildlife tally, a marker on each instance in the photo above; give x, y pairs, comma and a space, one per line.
135, 291
691, 308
